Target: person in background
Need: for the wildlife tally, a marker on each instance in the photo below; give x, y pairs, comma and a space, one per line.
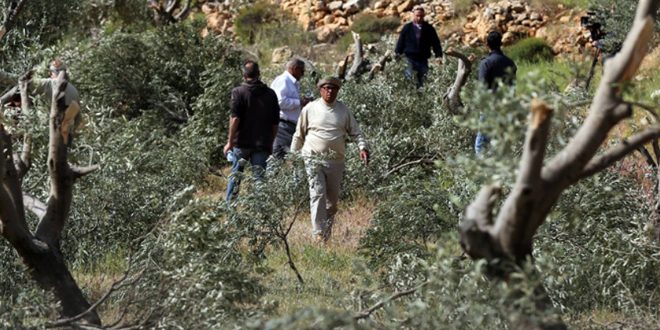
252, 126
321, 132
496, 66
416, 40
287, 89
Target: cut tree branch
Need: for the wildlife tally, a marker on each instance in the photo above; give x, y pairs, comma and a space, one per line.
367, 312
79, 172
357, 57
452, 97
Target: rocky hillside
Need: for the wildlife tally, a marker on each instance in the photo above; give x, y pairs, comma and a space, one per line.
559, 26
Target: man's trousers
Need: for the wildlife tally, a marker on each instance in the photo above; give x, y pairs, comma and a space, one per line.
324, 187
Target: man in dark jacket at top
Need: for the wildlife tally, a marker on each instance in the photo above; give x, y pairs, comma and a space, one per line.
416, 40
255, 115
496, 66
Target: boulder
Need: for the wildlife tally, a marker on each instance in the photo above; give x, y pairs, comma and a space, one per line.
326, 34
405, 6
381, 4
335, 5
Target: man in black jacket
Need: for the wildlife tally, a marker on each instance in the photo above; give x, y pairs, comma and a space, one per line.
416, 40
255, 115
496, 66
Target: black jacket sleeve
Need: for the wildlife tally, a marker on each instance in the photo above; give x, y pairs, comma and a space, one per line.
435, 42
401, 43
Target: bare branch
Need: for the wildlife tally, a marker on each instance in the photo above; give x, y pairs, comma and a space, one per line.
380, 66
341, 68
367, 312
50, 227
79, 172
452, 97
425, 161
647, 156
621, 150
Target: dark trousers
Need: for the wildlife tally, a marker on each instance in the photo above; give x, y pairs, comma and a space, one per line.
282, 143
421, 67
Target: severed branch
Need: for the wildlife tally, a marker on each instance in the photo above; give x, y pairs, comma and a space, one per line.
12, 14
380, 66
367, 312
79, 172
341, 68
357, 57
397, 168
452, 97
621, 150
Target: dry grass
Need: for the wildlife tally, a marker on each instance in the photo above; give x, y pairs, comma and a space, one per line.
351, 221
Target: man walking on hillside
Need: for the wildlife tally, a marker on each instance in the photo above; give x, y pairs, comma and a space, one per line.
44, 87
287, 89
322, 129
496, 66
416, 40
252, 126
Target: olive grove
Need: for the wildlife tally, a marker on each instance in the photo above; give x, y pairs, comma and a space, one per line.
147, 241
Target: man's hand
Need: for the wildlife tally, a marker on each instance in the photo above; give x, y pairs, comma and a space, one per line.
228, 147
438, 61
364, 156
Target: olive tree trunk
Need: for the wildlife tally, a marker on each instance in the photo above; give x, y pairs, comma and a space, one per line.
508, 233
41, 251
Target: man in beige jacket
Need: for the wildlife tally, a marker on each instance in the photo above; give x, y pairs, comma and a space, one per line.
321, 133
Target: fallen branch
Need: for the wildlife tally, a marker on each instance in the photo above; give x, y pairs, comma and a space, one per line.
397, 168
367, 312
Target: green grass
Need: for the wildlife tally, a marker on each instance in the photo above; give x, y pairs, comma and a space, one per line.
328, 275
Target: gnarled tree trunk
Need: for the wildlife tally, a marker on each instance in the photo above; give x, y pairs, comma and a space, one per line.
510, 235
41, 251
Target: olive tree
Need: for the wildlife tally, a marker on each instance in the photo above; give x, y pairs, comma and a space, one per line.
540, 183
40, 249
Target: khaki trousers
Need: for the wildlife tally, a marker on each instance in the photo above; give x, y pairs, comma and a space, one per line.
324, 186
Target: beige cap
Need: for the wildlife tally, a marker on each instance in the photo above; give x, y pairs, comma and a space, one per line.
329, 81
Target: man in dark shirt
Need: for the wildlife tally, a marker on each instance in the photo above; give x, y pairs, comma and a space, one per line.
496, 66
416, 40
255, 115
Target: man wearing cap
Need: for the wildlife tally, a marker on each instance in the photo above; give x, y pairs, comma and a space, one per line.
44, 87
416, 40
321, 133
496, 66
287, 89
252, 125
